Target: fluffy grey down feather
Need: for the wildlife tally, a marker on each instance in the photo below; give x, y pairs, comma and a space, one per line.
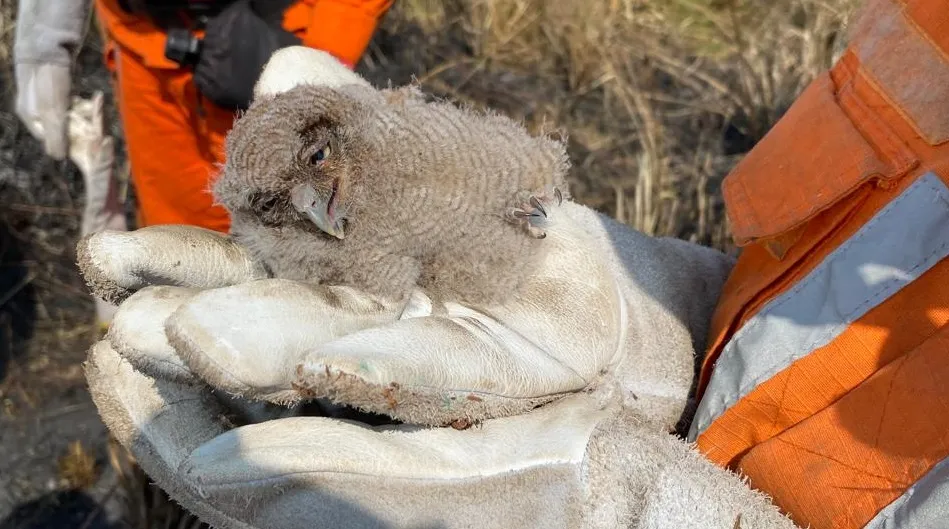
427, 193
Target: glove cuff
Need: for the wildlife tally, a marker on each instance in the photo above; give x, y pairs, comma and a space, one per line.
640, 476
138, 411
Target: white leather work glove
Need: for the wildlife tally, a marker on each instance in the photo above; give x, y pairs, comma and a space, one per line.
93, 152
604, 333
586, 460
46, 35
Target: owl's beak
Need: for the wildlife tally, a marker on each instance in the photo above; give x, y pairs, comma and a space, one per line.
322, 212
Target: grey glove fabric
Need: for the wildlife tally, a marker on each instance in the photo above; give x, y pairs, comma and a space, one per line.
47, 33
572, 464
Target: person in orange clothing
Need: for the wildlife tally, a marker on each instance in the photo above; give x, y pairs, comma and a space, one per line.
182, 70
826, 380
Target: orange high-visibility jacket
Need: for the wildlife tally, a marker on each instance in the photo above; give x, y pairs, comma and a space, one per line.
174, 138
826, 381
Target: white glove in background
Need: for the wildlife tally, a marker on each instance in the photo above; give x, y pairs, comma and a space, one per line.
47, 32
93, 152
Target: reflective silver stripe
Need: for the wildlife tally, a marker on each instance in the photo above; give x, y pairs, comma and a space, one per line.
899, 244
925, 505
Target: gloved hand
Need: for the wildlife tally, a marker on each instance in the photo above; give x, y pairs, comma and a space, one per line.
598, 457
46, 34
605, 333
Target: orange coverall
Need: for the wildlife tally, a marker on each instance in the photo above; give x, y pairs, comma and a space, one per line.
175, 143
826, 380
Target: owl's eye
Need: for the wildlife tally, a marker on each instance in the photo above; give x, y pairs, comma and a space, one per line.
267, 205
264, 203
320, 155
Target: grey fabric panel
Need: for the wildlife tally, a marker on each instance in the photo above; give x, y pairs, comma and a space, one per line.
925, 505
898, 245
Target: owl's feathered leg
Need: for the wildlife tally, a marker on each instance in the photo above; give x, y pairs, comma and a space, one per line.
529, 211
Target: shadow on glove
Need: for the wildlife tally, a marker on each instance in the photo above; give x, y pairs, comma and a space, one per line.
570, 464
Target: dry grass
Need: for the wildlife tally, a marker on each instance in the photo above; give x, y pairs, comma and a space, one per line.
77, 468
658, 99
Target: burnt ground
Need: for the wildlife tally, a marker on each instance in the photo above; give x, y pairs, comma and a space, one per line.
46, 326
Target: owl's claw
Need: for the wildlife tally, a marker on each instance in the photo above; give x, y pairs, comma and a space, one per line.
531, 212
538, 206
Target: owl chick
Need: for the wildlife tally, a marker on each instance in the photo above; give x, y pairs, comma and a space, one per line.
385, 191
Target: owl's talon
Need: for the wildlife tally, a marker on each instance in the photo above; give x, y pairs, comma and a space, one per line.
529, 210
527, 217
537, 205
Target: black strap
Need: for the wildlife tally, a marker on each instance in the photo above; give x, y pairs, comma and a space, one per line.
167, 14
176, 13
